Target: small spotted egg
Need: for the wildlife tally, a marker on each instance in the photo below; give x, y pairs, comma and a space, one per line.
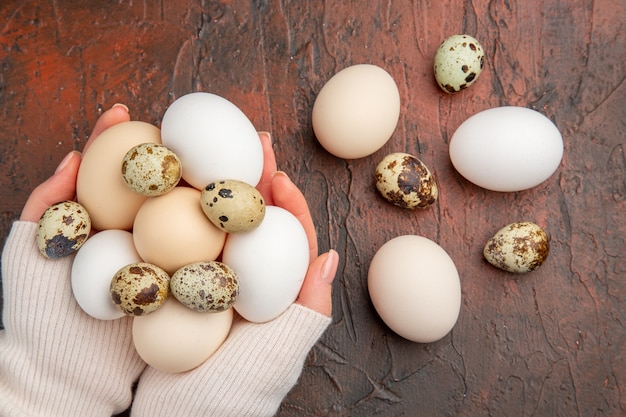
233, 206
405, 181
62, 229
151, 169
459, 60
518, 247
205, 286
140, 288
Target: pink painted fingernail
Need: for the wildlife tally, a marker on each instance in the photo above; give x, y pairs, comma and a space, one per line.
267, 135
123, 106
329, 268
65, 161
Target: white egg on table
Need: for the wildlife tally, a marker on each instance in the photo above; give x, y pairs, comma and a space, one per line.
213, 138
270, 262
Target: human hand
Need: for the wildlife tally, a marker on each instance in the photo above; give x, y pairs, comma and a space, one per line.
258, 364
54, 358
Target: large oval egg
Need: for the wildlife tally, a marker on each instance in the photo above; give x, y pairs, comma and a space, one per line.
94, 265
213, 139
506, 148
175, 338
171, 231
100, 186
356, 111
270, 262
415, 288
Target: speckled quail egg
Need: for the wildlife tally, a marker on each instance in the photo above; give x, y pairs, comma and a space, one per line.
233, 206
140, 288
518, 247
459, 60
62, 229
151, 169
205, 286
405, 181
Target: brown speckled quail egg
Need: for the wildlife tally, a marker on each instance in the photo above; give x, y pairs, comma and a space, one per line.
151, 169
405, 181
205, 286
140, 288
518, 247
62, 229
459, 60
233, 206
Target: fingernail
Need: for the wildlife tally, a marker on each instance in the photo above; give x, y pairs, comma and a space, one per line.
65, 161
267, 135
329, 269
123, 106
280, 174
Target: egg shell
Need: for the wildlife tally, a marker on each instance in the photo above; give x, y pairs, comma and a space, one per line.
205, 286
171, 231
151, 169
519, 247
415, 288
356, 111
62, 229
140, 288
100, 186
459, 60
270, 262
177, 339
213, 139
506, 149
405, 181
94, 265
233, 206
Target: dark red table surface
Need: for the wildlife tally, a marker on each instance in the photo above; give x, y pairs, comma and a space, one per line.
549, 343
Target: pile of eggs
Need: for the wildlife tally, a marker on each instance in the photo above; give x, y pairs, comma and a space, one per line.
183, 238
504, 149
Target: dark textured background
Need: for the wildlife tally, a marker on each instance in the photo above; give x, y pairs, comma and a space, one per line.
550, 343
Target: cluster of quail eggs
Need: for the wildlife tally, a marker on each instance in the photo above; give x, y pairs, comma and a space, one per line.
140, 288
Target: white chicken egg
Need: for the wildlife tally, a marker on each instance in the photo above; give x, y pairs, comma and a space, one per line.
213, 139
506, 148
95, 264
415, 288
270, 262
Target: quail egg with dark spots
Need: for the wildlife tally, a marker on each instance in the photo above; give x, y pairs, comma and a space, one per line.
518, 247
232, 205
151, 169
406, 181
459, 60
205, 286
62, 229
140, 288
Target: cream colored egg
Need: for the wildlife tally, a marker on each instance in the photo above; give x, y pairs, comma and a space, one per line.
62, 229
177, 339
518, 247
100, 186
415, 288
405, 181
151, 169
233, 206
459, 60
171, 231
356, 111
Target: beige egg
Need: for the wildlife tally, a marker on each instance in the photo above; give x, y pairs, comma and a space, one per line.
99, 185
205, 286
233, 206
151, 169
518, 247
139, 288
62, 229
406, 181
459, 60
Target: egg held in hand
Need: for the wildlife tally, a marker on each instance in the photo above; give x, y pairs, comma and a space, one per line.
415, 288
205, 286
233, 206
140, 288
151, 169
62, 229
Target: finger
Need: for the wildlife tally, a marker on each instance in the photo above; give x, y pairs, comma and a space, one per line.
115, 115
288, 196
269, 167
59, 187
316, 291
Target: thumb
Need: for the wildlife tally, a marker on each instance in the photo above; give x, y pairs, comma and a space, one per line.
59, 187
316, 291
